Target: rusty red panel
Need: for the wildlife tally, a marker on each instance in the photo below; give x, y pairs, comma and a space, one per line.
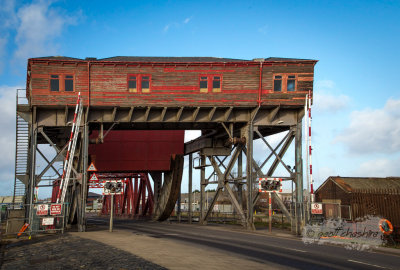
136, 150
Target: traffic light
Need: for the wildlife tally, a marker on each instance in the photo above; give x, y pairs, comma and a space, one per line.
269, 184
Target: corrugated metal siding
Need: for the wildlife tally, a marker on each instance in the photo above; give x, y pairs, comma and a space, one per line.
136, 150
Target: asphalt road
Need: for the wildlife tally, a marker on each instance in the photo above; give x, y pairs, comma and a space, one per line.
287, 252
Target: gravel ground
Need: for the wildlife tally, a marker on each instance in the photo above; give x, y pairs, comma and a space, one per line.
68, 252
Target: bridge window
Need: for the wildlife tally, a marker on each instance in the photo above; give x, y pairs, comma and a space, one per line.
278, 83
210, 83
285, 83
54, 83
145, 84
204, 84
217, 84
69, 83
132, 84
139, 83
291, 83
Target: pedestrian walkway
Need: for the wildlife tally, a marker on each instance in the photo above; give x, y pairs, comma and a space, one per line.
173, 254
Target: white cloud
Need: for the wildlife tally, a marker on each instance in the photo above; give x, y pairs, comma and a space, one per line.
3, 43
379, 168
166, 28
8, 20
38, 26
324, 84
330, 103
169, 26
7, 136
187, 20
373, 131
263, 30
192, 134
321, 174
7, 14
326, 100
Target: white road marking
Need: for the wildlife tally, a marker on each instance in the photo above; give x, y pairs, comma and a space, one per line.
299, 250
374, 265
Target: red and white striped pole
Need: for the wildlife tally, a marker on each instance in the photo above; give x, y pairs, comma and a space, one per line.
68, 149
309, 146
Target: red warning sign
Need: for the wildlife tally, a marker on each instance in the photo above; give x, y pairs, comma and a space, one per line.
92, 168
55, 209
94, 178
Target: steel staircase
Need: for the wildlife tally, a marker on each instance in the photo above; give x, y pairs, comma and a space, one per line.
21, 156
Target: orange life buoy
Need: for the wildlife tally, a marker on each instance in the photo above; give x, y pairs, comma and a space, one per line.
385, 226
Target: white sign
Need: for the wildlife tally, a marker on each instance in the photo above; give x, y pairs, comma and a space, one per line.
42, 210
316, 208
113, 187
48, 221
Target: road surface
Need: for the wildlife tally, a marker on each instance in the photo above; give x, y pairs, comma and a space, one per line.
274, 251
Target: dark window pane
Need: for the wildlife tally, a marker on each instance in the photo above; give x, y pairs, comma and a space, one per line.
145, 78
145, 84
132, 77
54, 76
203, 84
132, 84
278, 77
69, 76
216, 83
203, 78
292, 77
277, 85
54, 85
69, 85
290, 85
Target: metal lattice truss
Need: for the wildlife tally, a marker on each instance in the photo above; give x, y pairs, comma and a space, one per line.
226, 179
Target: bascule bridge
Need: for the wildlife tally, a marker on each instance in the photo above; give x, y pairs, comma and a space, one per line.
232, 101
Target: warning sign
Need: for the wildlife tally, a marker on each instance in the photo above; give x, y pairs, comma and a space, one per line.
48, 221
316, 208
55, 209
42, 210
92, 168
94, 178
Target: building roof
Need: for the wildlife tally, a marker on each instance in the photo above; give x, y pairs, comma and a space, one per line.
283, 59
167, 59
94, 195
57, 58
364, 184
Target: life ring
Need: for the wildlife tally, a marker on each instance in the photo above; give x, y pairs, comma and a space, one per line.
385, 226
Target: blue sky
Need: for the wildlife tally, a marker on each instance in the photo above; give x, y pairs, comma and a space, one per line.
356, 113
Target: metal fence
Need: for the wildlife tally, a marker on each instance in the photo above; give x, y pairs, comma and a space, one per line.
41, 217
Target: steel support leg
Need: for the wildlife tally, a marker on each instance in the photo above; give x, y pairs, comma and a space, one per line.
84, 183
202, 189
32, 182
299, 177
190, 188
240, 175
250, 180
